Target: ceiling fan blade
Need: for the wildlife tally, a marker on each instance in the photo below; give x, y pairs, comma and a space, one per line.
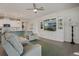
41, 8
30, 9
1, 17
34, 5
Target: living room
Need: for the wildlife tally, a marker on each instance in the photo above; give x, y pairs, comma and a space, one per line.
39, 29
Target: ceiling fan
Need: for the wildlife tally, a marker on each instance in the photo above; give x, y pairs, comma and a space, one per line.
35, 9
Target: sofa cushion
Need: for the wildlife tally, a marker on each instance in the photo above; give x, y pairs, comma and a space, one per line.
8, 47
13, 40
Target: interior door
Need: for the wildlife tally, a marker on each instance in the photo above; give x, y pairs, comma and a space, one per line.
67, 32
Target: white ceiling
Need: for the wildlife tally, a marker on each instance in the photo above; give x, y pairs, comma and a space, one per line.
18, 10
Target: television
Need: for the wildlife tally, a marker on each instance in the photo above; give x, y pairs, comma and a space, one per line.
6, 25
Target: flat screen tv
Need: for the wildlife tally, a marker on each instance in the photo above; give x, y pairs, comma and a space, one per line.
6, 25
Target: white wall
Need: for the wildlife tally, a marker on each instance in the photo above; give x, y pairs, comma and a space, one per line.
65, 33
